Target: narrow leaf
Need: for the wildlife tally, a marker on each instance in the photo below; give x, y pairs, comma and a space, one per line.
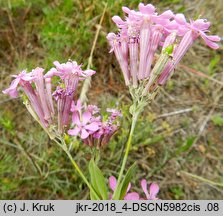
122, 188
98, 181
92, 196
93, 181
126, 180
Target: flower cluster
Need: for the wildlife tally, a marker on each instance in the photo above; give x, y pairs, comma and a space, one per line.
37, 87
145, 34
149, 195
89, 124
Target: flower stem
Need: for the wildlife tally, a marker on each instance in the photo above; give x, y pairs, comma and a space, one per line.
64, 147
128, 147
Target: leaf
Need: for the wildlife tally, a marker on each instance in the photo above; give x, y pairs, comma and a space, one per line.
92, 196
93, 180
122, 188
98, 181
186, 146
213, 64
217, 120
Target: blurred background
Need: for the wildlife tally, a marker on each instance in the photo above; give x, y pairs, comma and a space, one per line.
178, 140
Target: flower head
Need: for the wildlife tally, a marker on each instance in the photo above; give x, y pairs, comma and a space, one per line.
89, 125
37, 86
140, 37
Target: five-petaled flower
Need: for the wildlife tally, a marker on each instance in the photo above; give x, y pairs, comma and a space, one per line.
83, 125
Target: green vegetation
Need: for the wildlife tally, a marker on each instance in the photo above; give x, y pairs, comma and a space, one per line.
37, 32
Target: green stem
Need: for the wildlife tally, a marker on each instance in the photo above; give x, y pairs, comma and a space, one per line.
64, 147
128, 147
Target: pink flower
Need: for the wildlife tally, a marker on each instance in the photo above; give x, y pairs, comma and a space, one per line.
70, 74
128, 196
40, 101
153, 190
133, 56
115, 43
114, 114
24, 79
83, 126
76, 107
140, 36
201, 26
41, 92
71, 69
93, 109
21, 79
89, 124
52, 72
49, 94
155, 38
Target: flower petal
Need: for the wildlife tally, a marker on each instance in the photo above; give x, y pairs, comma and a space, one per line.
76, 118
146, 9
13, 93
144, 187
92, 126
213, 38
112, 182
208, 41
84, 134
180, 18
58, 65
74, 132
117, 20
52, 72
12, 90
201, 24
89, 73
126, 10
132, 196
154, 190
166, 14
86, 117
79, 105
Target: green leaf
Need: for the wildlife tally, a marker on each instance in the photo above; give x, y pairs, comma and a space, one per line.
213, 64
92, 196
217, 120
98, 181
122, 188
186, 146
